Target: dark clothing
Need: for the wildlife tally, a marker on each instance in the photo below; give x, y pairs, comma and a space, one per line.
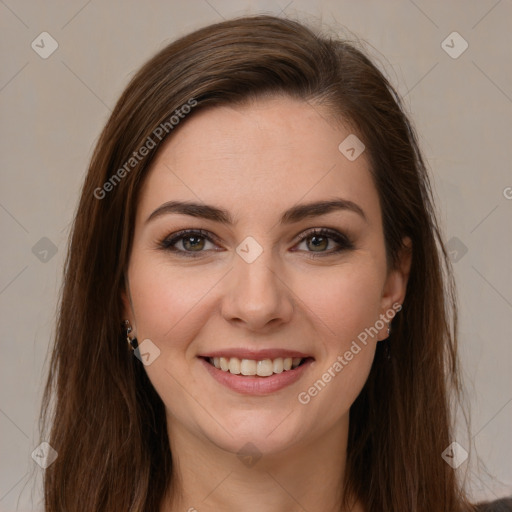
502, 505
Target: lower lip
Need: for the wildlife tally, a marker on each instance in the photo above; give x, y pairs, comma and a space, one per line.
254, 385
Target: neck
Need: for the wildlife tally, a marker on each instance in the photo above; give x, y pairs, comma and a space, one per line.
306, 476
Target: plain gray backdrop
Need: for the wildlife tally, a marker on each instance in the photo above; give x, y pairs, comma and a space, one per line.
457, 88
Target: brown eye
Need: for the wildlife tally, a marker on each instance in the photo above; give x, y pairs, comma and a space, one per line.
324, 242
317, 243
193, 243
189, 243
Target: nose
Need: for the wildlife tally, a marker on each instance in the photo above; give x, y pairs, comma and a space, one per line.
257, 295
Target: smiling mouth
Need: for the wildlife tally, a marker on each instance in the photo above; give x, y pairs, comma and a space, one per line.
259, 368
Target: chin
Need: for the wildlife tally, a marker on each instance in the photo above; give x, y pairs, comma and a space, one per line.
266, 434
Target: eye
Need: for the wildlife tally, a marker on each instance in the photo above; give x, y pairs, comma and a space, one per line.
323, 242
189, 242
317, 242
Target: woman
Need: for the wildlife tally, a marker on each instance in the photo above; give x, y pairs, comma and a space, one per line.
257, 223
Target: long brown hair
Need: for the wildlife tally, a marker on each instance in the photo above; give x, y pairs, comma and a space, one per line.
107, 421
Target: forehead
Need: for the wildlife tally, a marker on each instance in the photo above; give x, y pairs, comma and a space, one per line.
266, 155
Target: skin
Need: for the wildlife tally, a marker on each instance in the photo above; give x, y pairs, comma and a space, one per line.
257, 161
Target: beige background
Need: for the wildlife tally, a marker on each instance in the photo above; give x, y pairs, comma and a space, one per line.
53, 110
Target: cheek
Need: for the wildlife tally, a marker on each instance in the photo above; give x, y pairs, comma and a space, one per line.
336, 385
344, 304
345, 300
168, 302
171, 306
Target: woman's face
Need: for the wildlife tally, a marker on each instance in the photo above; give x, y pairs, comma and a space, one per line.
256, 286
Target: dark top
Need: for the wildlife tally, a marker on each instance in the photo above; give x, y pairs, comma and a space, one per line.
502, 505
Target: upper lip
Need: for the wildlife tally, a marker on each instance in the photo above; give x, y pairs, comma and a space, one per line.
257, 355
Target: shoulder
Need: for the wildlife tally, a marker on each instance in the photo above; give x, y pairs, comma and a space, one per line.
502, 505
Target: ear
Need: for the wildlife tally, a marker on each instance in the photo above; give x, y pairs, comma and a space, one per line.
395, 286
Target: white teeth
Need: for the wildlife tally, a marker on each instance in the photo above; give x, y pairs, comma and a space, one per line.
248, 367
278, 365
234, 365
262, 368
265, 368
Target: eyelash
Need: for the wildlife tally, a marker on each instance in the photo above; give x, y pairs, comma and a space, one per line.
341, 239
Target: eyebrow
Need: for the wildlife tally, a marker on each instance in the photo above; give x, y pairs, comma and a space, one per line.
290, 216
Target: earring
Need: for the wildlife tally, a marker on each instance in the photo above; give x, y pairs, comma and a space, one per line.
387, 341
132, 342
